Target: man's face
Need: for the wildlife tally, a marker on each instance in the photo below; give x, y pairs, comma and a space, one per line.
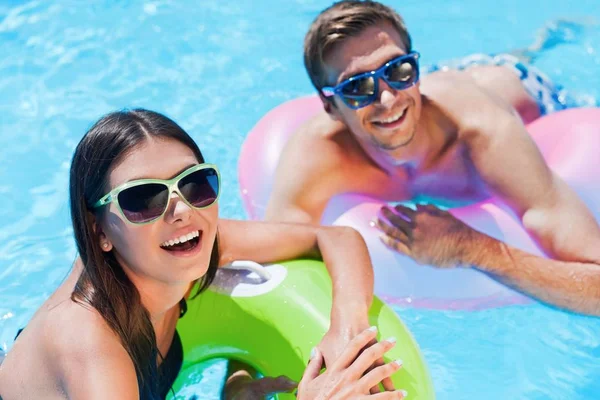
388, 124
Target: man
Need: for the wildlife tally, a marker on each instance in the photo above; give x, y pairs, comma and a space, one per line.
449, 136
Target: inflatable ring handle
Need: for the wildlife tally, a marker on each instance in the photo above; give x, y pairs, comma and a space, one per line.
251, 266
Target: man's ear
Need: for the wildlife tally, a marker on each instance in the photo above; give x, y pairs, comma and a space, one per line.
330, 108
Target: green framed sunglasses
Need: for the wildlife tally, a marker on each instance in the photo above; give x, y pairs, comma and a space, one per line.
145, 200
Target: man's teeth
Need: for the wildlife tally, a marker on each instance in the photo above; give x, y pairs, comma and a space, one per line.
181, 239
393, 118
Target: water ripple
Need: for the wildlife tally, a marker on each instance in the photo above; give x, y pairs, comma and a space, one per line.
217, 67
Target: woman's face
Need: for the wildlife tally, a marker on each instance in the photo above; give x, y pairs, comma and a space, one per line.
143, 250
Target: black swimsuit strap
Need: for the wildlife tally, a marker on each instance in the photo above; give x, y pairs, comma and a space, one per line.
171, 365
182, 307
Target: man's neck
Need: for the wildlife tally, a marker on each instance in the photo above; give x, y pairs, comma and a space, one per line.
406, 160
421, 154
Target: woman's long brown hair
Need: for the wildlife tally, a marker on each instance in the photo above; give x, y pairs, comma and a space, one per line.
103, 283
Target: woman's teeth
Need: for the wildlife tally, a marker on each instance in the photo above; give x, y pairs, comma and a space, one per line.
181, 239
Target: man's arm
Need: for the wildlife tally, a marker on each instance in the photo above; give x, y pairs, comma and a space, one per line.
566, 284
551, 212
511, 165
434, 237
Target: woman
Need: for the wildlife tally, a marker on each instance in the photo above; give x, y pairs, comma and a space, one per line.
145, 217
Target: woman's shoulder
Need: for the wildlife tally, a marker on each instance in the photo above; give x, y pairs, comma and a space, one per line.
78, 330
70, 346
86, 351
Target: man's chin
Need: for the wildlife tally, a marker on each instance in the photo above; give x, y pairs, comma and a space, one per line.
395, 145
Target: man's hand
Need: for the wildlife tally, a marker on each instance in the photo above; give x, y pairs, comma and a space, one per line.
337, 339
428, 235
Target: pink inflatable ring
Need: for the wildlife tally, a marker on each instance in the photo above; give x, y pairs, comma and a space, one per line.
569, 141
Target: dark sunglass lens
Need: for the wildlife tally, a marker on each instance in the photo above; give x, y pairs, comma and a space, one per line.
359, 92
200, 188
144, 203
403, 72
359, 87
358, 102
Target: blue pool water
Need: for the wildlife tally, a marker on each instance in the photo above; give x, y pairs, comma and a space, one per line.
216, 67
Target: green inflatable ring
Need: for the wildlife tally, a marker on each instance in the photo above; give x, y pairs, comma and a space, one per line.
271, 317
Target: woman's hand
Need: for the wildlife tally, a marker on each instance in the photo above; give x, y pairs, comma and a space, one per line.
241, 385
337, 339
258, 389
348, 377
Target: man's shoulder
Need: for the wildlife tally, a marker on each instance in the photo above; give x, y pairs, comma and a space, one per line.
474, 113
320, 140
321, 127
321, 156
466, 101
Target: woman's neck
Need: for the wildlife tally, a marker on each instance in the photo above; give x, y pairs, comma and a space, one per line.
159, 298
162, 302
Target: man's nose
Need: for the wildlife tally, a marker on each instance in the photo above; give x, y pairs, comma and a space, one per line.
387, 95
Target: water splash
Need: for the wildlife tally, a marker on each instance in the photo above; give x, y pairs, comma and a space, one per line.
556, 33
561, 31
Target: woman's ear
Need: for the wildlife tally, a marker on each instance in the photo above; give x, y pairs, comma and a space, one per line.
103, 241
105, 244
